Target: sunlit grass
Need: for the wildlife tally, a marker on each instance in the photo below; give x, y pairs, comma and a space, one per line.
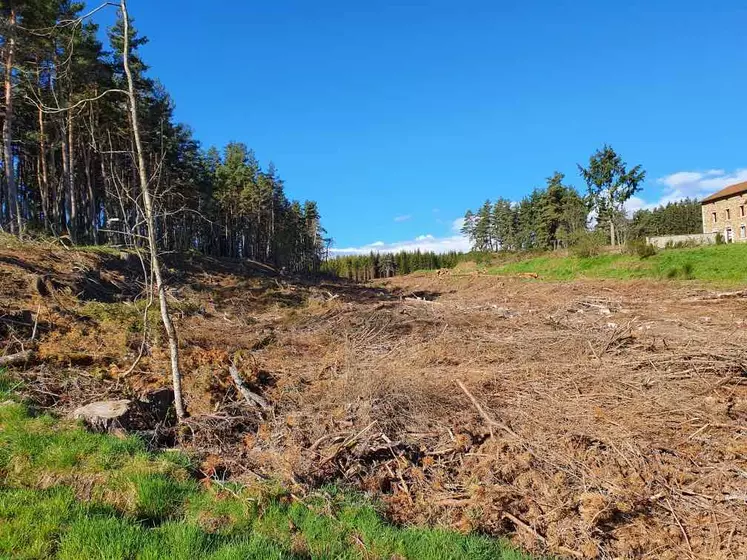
69, 494
720, 264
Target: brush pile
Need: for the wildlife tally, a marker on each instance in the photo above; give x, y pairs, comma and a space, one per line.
589, 419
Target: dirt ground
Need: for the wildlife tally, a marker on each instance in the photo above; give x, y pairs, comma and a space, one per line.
598, 419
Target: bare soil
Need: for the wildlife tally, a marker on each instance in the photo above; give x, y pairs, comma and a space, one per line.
599, 419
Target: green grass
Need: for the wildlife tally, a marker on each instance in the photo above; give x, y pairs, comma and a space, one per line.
69, 494
720, 264
8, 386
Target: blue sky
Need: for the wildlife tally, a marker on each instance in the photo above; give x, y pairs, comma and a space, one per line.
398, 116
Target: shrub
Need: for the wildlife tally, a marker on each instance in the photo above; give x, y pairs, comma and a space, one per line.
687, 270
646, 250
587, 244
641, 248
684, 244
720, 239
480, 257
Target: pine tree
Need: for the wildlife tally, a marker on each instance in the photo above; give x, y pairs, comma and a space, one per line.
68, 151
468, 226
503, 223
610, 185
483, 239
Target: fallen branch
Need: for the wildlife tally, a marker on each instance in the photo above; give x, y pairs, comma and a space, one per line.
15, 359
719, 295
36, 323
488, 419
350, 442
251, 397
682, 529
422, 300
519, 523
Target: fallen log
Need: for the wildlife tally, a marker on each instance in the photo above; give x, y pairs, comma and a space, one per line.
251, 397
15, 359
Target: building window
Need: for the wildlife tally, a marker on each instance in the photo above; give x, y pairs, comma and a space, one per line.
741, 211
742, 231
715, 219
728, 214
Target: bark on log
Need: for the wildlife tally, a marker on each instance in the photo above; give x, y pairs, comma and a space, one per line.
15, 359
251, 397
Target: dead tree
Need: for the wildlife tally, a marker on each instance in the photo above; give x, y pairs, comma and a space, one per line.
151, 222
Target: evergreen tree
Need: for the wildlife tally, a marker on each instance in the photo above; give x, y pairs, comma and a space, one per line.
364, 267
674, 218
468, 226
68, 152
483, 239
503, 223
610, 185
547, 218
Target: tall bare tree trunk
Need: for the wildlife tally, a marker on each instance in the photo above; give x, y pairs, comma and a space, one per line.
44, 175
64, 187
90, 228
72, 195
151, 224
13, 213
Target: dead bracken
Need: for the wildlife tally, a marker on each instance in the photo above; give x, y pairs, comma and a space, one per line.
586, 419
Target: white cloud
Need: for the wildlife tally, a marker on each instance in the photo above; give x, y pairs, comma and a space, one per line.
457, 225
688, 184
403, 218
698, 184
423, 242
635, 203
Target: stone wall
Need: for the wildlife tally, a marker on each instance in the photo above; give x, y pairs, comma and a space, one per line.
661, 241
727, 214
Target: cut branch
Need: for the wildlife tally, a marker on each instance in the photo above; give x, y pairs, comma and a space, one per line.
491, 422
251, 397
15, 359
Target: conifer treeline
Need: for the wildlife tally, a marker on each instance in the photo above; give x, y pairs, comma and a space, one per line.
362, 268
68, 155
548, 218
674, 218
558, 216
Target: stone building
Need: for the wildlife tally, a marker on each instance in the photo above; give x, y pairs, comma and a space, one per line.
724, 213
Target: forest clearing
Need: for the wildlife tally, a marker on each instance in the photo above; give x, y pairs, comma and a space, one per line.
194, 364
590, 418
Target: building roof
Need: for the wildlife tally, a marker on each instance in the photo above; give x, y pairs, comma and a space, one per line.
731, 190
